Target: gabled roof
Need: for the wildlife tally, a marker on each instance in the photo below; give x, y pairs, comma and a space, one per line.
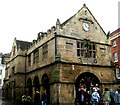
70, 18
84, 6
67, 21
22, 44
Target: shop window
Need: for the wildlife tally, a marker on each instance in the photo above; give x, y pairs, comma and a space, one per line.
117, 73
85, 49
114, 43
29, 60
115, 57
45, 51
36, 56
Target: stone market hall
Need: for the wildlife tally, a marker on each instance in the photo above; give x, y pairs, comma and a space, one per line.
69, 56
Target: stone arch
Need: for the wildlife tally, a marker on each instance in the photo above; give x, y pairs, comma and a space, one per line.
46, 86
94, 74
86, 80
29, 86
36, 83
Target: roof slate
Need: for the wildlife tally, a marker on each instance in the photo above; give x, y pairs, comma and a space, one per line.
23, 44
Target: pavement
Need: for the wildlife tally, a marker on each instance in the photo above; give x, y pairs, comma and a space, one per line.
9, 102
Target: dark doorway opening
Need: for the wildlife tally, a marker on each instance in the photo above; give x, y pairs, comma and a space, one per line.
13, 89
29, 86
46, 87
36, 83
87, 81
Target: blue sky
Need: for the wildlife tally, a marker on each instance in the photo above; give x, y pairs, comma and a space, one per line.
23, 19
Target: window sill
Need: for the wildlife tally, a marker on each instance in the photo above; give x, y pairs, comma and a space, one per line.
117, 77
114, 46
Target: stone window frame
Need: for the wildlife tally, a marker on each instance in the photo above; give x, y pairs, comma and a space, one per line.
45, 51
86, 49
36, 56
29, 60
13, 70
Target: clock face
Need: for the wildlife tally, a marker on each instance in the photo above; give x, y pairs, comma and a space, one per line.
86, 26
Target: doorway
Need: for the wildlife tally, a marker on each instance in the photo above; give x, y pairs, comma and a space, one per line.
46, 87
29, 86
87, 81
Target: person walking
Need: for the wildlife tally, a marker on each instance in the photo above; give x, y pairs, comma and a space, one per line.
82, 97
44, 98
117, 97
100, 101
95, 98
88, 98
112, 95
106, 97
37, 98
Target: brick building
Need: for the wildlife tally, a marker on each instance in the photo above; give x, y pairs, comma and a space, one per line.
71, 55
115, 49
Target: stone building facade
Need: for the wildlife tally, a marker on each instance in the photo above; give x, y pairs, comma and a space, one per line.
2, 71
69, 56
3, 59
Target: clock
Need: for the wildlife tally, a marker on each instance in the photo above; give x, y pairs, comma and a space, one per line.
85, 26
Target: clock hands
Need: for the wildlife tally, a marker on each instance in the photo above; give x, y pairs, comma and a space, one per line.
87, 26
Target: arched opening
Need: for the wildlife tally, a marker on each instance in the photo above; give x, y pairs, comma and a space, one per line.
87, 81
13, 89
29, 86
46, 87
36, 83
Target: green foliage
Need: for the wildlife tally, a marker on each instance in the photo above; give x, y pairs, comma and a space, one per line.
26, 99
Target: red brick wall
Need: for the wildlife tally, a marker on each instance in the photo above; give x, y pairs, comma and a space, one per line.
116, 49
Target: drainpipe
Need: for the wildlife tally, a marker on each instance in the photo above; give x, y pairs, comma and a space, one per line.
55, 44
25, 71
55, 59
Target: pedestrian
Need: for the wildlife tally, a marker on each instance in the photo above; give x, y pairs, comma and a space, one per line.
112, 95
106, 97
37, 97
117, 97
82, 97
44, 98
95, 98
88, 98
100, 101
